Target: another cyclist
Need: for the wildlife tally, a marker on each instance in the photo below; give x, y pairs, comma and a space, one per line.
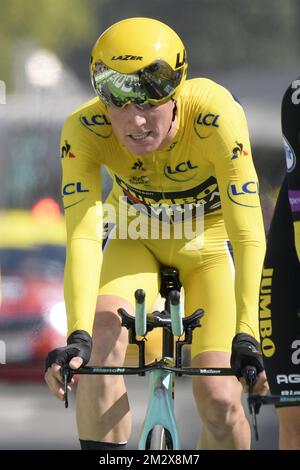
280, 286
176, 150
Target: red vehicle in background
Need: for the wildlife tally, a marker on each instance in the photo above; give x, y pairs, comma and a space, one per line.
32, 314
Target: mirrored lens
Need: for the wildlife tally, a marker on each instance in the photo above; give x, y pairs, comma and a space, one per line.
121, 89
152, 84
159, 80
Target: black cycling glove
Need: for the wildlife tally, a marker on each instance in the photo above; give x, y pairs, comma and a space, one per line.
245, 352
79, 343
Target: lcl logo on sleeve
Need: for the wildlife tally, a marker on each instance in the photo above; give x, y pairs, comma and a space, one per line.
205, 123
72, 188
99, 124
244, 194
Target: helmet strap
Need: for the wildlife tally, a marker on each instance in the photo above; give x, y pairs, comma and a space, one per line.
174, 111
173, 115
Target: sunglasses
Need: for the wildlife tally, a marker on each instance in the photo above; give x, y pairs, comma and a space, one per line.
150, 86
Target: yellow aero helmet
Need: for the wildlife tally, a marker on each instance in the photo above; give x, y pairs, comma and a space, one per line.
139, 60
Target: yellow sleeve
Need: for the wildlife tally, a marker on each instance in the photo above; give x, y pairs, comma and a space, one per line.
230, 152
81, 193
297, 236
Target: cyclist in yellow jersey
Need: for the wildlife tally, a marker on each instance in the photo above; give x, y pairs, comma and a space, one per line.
184, 185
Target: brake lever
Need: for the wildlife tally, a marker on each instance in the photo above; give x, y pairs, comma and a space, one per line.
250, 376
254, 404
67, 374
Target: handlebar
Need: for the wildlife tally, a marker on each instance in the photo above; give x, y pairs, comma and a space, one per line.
67, 373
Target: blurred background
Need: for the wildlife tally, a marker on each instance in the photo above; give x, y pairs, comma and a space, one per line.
252, 48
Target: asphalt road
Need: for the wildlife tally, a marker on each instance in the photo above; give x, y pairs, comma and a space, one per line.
31, 418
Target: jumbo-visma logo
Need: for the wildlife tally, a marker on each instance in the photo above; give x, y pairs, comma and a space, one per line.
244, 194
99, 124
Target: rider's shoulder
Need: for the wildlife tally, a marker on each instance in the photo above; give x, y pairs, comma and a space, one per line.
203, 86
206, 92
87, 114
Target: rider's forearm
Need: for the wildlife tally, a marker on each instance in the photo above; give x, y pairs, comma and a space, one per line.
82, 274
248, 260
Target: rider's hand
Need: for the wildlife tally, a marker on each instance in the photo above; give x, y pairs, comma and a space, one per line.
245, 352
75, 354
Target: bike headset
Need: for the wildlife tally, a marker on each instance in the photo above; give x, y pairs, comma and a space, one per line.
140, 61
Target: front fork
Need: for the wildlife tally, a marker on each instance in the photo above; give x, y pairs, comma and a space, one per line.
160, 410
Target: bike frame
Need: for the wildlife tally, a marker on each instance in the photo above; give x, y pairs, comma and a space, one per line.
160, 410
